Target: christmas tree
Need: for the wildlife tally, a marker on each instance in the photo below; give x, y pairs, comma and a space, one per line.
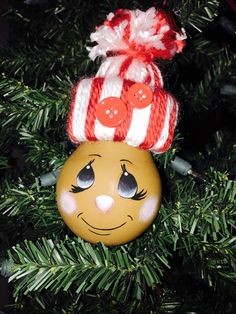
186, 261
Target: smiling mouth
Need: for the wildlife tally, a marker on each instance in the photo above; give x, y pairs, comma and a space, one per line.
101, 234
101, 229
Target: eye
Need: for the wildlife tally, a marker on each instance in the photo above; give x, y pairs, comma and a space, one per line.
127, 186
85, 179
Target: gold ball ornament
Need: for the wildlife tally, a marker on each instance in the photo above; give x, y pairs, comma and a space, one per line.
108, 192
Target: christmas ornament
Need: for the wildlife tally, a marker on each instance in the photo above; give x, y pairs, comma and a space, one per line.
109, 189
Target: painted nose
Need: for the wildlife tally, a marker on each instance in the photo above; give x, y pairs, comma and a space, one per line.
104, 202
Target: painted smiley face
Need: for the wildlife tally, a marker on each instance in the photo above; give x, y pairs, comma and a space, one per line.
108, 192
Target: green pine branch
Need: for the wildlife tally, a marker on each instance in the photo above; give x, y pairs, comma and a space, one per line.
61, 23
198, 227
198, 95
195, 228
33, 205
196, 15
83, 267
43, 150
202, 224
32, 108
4, 162
33, 65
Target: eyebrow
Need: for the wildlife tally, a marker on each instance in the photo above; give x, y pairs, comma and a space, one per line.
126, 160
95, 155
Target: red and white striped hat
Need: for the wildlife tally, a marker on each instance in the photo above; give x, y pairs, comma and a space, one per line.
126, 101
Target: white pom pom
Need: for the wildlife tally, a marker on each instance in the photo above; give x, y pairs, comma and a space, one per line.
136, 38
108, 40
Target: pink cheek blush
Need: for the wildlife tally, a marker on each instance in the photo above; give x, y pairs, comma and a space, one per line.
67, 202
148, 209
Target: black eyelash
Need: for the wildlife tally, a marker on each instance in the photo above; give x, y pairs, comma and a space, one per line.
123, 168
75, 189
139, 195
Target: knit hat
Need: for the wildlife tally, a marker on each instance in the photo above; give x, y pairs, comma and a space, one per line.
125, 101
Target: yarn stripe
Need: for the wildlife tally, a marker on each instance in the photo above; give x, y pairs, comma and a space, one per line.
71, 115
152, 82
94, 98
122, 129
157, 75
125, 66
102, 132
173, 120
127, 30
80, 109
165, 131
138, 126
157, 119
111, 66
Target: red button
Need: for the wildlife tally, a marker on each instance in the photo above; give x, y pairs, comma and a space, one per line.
111, 112
140, 95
